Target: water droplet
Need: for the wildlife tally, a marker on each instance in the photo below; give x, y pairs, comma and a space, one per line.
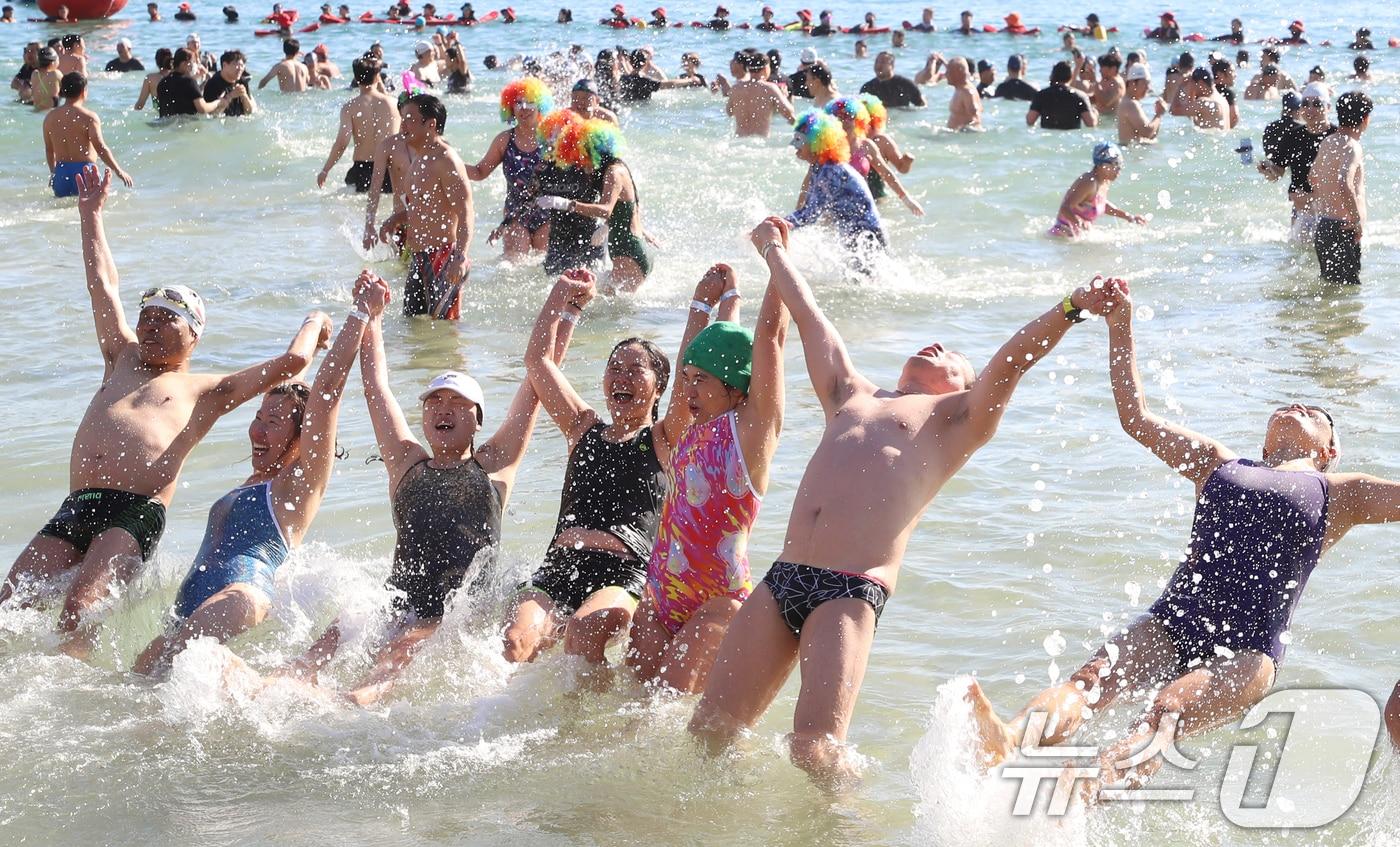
1144, 313
1054, 673
1040, 485
1069, 379
1164, 197
1020, 678
1134, 592
1054, 644
1036, 505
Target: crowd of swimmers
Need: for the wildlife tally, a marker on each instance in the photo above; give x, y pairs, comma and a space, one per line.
659, 494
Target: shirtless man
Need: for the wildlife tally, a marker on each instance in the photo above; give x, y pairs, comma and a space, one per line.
1204, 105
965, 109
292, 76
754, 100
141, 425
1108, 92
426, 67
1133, 124
73, 139
368, 119
392, 159
73, 57
44, 83
1339, 192
883, 457
437, 216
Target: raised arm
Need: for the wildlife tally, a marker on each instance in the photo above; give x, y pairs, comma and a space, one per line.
712, 293
1358, 498
232, 391
761, 415
323, 408
343, 137
834, 377
564, 304
113, 335
987, 398
397, 446
1189, 453
500, 456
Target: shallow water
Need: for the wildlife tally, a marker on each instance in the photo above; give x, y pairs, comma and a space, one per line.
1061, 524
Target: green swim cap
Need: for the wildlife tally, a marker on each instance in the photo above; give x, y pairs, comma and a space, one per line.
724, 349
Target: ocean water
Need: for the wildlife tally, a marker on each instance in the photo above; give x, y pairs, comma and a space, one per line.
1059, 528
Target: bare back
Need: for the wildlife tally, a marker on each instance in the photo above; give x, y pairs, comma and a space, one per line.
373, 117
753, 104
905, 447
965, 109
68, 130
1338, 180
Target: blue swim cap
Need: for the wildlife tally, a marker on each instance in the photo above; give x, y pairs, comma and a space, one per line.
1107, 153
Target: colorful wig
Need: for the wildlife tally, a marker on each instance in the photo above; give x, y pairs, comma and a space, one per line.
879, 116
850, 109
823, 135
529, 89
560, 133
601, 142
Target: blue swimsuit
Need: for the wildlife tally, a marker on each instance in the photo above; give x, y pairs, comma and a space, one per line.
840, 191
1256, 537
242, 544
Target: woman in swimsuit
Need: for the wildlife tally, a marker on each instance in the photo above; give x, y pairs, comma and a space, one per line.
698, 575
447, 501
524, 227
596, 567
596, 154
866, 157
832, 188
254, 527
879, 121
1210, 646
1087, 198
164, 63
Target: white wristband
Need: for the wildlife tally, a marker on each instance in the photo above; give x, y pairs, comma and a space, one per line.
701, 307
767, 248
364, 318
569, 317
729, 295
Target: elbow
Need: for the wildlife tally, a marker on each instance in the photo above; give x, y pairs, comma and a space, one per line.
293, 363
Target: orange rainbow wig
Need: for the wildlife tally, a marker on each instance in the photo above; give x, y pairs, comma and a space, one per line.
879, 116
530, 90
823, 136
561, 132
601, 141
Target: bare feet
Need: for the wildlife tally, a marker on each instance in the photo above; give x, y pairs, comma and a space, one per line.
995, 741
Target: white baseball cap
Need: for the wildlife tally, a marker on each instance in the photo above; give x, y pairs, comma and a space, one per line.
422, 47
124, 42
461, 385
1138, 71
808, 56
1316, 90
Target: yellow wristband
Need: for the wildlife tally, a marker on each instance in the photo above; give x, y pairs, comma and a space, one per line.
1070, 310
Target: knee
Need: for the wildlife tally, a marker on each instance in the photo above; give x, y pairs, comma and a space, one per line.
812, 753
589, 636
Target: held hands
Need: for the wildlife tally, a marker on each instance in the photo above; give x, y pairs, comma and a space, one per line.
578, 286
371, 294
1101, 296
551, 203
771, 229
713, 285
92, 190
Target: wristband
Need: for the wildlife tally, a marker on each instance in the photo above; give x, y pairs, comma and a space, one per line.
569, 317
1073, 314
364, 317
763, 251
730, 295
701, 307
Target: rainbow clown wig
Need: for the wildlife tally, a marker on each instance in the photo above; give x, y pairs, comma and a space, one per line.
601, 143
821, 134
849, 109
531, 91
560, 132
879, 116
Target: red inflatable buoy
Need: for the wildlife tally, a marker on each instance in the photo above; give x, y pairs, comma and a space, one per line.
83, 10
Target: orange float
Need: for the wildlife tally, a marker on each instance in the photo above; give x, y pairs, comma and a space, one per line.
82, 10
